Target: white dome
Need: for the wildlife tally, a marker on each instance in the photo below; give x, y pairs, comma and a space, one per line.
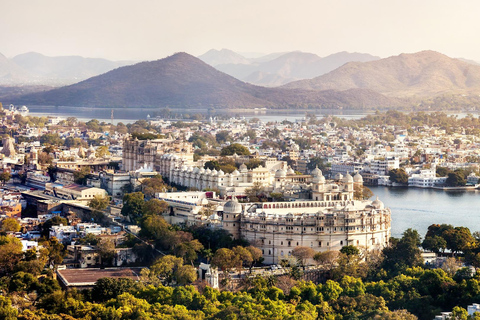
318, 179
348, 178
316, 172
358, 178
280, 173
235, 172
220, 172
290, 170
377, 204
232, 206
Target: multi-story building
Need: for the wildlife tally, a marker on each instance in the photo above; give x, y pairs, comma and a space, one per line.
332, 220
144, 153
382, 167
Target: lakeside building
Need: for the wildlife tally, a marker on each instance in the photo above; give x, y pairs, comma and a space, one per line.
331, 219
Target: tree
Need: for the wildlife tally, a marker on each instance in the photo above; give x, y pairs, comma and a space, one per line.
133, 204
165, 267
72, 142
318, 162
188, 250
5, 176
109, 288
54, 251
362, 192
326, 259
223, 136
10, 254
52, 139
403, 253
155, 227
155, 206
442, 171
185, 274
44, 158
459, 313
244, 257
55, 221
435, 244
398, 176
303, 254
459, 239
153, 185
225, 259
235, 148
257, 256
102, 152
7, 311
456, 179
255, 192
106, 250
99, 203
350, 250
81, 175
10, 225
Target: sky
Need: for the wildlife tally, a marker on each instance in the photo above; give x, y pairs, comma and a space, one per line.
154, 29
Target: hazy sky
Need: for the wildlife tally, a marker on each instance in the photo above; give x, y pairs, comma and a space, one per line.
153, 29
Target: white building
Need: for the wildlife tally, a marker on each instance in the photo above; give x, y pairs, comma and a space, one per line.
329, 222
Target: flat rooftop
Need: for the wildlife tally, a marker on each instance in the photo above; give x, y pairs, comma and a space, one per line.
76, 277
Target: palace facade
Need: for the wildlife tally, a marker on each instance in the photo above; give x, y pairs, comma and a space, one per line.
331, 220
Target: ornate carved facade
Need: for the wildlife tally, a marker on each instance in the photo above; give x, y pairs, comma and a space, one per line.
329, 223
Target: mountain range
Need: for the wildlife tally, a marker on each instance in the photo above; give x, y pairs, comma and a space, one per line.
34, 68
279, 68
182, 80
423, 74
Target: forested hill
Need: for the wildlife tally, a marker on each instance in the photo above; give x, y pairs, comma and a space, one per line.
182, 80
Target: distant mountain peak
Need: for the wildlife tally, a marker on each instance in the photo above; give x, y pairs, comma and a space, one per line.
424, 73
215, 57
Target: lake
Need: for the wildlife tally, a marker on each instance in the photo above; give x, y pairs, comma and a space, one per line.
419, 208
130, 115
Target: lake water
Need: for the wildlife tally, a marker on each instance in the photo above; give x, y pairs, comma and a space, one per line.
419, 208
130, 115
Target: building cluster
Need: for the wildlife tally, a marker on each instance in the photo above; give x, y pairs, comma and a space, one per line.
275, 195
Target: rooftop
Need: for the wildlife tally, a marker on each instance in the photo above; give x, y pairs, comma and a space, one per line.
88, 277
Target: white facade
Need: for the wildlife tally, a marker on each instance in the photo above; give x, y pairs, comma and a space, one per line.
329, 223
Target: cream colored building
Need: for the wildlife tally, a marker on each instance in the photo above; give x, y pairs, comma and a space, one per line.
145, 153
74, 192
331, 220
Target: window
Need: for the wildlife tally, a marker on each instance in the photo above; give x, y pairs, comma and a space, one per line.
319, 243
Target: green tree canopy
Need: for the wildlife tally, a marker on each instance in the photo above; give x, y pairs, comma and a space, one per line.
398, 176
235, 148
